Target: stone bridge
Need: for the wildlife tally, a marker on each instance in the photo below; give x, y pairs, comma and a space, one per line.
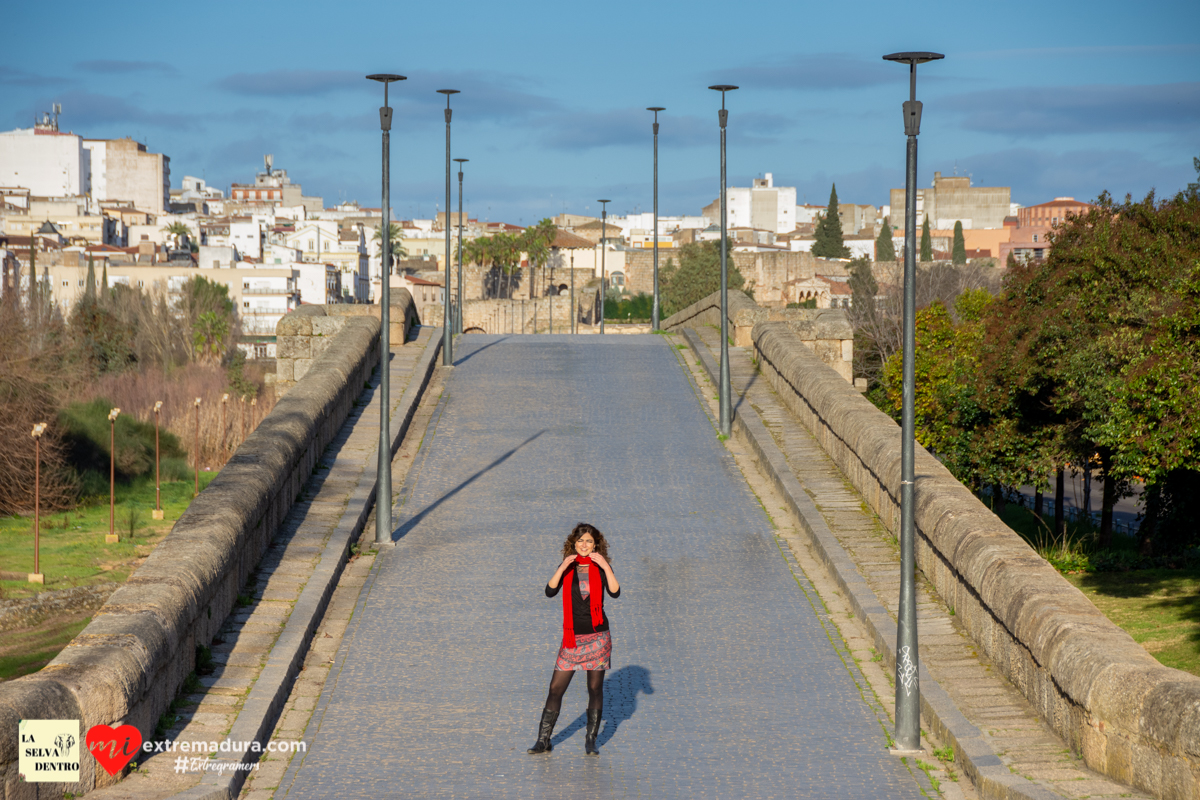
754, 636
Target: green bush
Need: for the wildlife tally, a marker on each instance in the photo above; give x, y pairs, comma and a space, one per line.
638, 307
88, 436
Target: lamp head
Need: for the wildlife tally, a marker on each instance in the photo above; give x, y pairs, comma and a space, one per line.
913, 57
113, 414
197, 402
38, 430
462, 160
448, 92
158, 407
655, 109
225, 397
386, 78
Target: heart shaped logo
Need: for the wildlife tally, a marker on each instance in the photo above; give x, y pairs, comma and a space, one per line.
113, 747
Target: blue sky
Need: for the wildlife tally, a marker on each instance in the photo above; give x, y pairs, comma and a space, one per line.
1048, 98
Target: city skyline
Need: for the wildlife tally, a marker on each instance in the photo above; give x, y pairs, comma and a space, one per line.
552, 106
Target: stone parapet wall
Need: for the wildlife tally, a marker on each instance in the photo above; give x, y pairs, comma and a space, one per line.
304, 334
1127, 715
131, 660
826, 332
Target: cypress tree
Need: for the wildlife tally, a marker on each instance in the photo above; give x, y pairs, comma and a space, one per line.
89, 288
32, 267
885, 248
829, 243
926, 242
959, 254
104, 282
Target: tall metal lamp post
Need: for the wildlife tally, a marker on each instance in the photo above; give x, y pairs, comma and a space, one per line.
654, 310
197, 447
458, 326
383, 491
38, 430
447, 327
908, 688
726, 421
158, 513
603, 236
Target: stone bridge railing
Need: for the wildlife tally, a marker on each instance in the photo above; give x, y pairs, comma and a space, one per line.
1128, 716
826, 332
131, 660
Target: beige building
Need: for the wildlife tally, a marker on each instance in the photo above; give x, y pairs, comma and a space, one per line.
954, 199
122, 169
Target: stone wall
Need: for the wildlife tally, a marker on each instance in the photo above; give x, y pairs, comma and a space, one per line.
765, 273
826, 332
131, 660
304, 334
1127, 715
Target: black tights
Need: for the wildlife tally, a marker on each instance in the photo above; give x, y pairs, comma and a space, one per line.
562, 679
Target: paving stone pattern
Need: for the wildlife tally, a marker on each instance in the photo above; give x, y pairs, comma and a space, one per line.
724, 682
1023, 742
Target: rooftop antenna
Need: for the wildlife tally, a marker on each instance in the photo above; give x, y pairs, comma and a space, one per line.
57, 111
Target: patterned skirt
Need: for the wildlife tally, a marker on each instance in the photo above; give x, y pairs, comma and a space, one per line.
591, 651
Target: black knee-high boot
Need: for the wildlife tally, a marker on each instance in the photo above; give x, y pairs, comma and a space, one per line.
592, 731
545, 730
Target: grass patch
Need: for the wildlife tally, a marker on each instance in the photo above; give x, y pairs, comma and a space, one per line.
72, 547
27, 650
1159, 608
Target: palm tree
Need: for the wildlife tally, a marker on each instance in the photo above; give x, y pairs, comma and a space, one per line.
177, 230
536, 243
395, 242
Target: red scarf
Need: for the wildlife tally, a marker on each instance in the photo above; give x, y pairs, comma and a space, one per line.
595, 595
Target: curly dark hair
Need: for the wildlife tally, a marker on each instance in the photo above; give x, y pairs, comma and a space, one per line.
580, 530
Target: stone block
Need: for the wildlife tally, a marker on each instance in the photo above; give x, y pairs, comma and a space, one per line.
293, 346
328, 326
284, 369
301, 367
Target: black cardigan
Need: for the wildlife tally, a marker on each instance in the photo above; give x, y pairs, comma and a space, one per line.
581, 609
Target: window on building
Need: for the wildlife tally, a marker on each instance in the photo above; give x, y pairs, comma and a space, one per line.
68, 283
141, 284
246, 304
81, 281
1035, 237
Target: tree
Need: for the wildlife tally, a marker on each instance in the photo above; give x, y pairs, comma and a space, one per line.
208, 312
698, 276
395, 242
536, 243
178, 232
1094, 349
89, 288
959, 253
926, 242
885, 248
829, 243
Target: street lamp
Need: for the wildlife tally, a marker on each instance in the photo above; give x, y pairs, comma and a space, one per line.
112, 474
726, 403
574, 314
383, 492
447, 328
458, 328
908, 688
197, 443
654, 311
603, 236
158, 514
224, 406
38, 430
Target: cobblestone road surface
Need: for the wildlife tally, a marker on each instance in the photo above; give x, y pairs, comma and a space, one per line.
724, 683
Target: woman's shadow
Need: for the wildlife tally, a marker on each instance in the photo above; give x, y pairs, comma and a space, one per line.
621, 690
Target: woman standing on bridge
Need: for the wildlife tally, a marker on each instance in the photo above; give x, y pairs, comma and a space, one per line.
586, 643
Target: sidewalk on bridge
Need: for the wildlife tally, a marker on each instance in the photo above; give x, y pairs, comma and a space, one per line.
259, 649
1012, 753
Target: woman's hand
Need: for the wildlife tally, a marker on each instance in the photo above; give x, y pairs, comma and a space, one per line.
566, 564
601, 562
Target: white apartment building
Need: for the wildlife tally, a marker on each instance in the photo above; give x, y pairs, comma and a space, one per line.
122, 169
45, 161
762, 205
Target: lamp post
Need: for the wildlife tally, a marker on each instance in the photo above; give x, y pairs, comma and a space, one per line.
158, 514
908, 688
224, 406
447, 328
197, 447
112, 473
573, 313
38, 430
383, 491
458, 328
603, 236
654, 310
726, 404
